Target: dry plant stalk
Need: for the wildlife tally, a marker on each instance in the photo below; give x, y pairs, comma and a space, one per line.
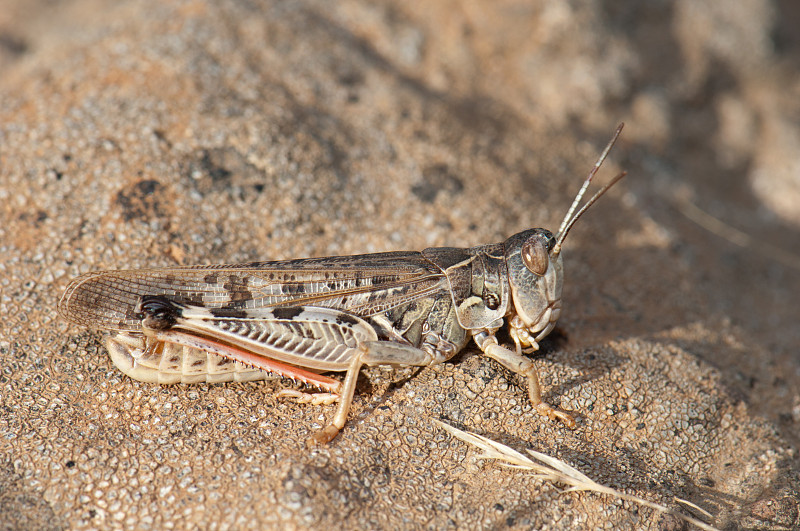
554, 470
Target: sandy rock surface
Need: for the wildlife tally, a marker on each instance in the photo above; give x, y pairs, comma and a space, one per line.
138, 134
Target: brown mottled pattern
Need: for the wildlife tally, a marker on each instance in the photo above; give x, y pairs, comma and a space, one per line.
107, 299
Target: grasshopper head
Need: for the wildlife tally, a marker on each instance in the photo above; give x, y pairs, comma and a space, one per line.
535, 269
535, 274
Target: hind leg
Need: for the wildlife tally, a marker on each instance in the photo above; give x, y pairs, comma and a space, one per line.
373, 353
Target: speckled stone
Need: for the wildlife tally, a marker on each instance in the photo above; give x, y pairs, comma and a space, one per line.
136, 134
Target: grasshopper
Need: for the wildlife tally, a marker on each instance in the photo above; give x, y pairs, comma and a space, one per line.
302, 319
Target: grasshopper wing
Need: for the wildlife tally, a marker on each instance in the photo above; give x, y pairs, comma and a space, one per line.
360, 285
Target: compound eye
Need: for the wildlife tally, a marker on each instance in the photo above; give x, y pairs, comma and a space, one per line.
535, 256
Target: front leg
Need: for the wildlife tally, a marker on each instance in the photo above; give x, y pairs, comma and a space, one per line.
519, 364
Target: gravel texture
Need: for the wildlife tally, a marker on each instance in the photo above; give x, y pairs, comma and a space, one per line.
148, 133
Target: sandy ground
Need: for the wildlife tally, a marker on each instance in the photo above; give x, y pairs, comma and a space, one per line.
136, 134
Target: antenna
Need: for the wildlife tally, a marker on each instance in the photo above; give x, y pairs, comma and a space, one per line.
569, 219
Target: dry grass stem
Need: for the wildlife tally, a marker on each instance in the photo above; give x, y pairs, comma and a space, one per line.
551, 469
